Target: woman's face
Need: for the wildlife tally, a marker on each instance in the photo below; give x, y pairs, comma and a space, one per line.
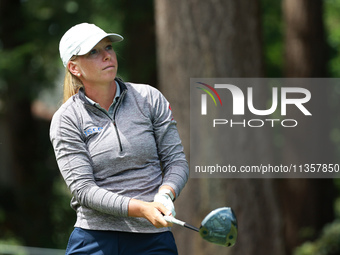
99, 66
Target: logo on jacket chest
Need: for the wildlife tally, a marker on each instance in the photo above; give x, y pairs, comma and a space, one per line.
92, 130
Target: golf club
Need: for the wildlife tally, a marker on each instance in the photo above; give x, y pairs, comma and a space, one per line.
218, 227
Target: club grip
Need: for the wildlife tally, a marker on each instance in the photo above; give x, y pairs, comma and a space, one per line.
174, 220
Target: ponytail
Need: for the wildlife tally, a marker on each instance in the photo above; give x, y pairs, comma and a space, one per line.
71, 85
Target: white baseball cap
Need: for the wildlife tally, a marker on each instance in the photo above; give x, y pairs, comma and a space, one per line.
81, 38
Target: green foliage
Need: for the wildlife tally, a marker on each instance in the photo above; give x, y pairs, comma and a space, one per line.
327, 244
18, 60
332, 23
273, 36
30, 58
63, 216
11, 246
272, 32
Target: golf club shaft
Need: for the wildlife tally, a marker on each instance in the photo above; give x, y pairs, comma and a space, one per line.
181, 223
191, 227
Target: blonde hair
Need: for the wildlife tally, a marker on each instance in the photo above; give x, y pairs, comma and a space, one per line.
72, 84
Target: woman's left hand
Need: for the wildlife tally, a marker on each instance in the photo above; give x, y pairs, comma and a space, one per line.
165, 200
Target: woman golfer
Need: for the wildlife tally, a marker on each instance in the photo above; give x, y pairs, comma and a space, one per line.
118, 150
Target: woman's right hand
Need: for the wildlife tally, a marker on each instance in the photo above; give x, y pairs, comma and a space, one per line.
152, 211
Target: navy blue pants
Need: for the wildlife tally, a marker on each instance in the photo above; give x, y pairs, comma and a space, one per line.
96, 242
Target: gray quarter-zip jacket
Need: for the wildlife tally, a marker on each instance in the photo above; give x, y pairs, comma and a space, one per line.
107, 161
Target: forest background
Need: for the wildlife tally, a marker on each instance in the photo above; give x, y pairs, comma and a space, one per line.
166, 43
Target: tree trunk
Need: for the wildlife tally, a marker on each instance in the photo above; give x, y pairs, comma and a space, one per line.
305, 45
197, 38
140, 28
307, 204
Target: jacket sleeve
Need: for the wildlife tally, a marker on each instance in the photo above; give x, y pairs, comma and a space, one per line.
76, 166
170, 149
